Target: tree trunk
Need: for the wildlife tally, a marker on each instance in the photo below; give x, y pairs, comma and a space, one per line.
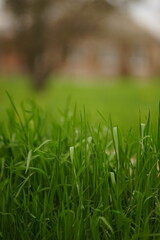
40, 72
39, 82
124, 61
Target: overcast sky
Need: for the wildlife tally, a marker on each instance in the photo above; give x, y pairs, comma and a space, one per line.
4, 20
145, 12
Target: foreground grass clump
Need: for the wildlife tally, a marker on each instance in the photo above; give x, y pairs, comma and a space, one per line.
69, 180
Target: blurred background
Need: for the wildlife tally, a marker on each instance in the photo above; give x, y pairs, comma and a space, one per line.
104, 54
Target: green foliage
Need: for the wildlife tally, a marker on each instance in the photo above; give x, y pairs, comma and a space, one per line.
72, 180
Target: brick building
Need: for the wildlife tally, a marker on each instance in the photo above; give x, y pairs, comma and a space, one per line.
121, 47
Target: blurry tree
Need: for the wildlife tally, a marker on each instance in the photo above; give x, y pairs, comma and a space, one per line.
45, 29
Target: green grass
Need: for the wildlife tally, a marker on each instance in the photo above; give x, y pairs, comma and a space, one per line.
125, 102
66, 178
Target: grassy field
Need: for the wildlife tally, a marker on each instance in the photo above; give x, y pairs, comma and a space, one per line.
72, 173
124, 102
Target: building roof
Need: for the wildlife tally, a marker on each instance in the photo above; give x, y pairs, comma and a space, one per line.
120, 25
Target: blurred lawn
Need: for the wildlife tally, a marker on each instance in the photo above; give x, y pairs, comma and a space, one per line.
123, 101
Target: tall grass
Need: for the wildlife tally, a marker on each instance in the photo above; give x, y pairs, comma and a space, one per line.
70, 180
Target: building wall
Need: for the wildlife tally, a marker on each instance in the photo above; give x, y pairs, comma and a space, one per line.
112, 58
98, 56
